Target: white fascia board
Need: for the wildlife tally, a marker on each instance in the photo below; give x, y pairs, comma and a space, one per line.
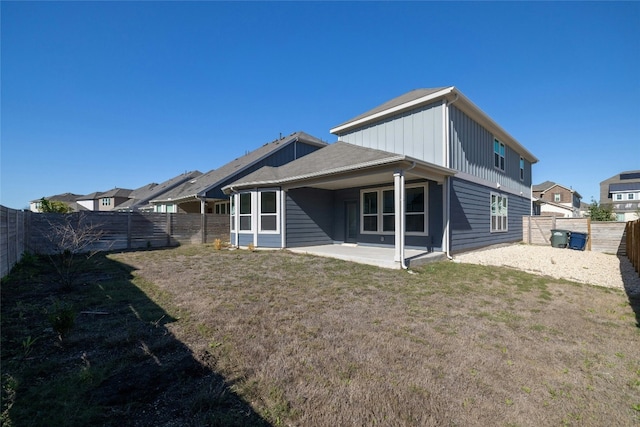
395, 109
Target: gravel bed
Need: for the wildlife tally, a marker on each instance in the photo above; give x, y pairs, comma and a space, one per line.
593, 268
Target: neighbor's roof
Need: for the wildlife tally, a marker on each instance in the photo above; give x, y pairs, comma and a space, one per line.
624, 186
623, 176
332, 160
203, 183
421, 97
141, 196
547, 185
65, 197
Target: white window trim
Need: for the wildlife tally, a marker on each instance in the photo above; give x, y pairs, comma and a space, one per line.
380, 214
259, 213
506, 222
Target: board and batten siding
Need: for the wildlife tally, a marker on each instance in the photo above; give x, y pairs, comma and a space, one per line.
417, 133
470, 222
309, 217
472, 153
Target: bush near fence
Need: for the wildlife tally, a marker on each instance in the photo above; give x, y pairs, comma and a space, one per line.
22, 231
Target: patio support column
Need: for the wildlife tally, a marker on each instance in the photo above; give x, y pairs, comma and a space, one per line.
399, 205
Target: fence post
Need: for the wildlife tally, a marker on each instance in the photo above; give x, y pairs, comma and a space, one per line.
129, 229
589, 234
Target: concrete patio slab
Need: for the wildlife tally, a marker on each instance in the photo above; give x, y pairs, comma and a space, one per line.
371, 255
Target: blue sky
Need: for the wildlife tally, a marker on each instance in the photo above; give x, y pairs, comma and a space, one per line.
97, 95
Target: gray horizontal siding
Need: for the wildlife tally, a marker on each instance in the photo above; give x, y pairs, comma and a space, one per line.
417, 133
309, 217
244, 239
472, 153
471, 217
269, 240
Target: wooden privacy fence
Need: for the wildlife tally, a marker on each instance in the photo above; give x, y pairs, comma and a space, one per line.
41, 232
633, 243
606, 237
13, 238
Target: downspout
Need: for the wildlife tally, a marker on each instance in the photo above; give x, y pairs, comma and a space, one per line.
402, 221
447, 183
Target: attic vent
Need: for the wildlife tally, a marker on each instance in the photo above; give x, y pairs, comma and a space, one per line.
193, 181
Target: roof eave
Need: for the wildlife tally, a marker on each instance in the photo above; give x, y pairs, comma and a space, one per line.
228, 189
393, 110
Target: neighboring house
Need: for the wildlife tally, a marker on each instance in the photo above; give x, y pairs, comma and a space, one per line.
551, 199
139, 198
622, 191
203, 194
68, 198
104, 201
426, 170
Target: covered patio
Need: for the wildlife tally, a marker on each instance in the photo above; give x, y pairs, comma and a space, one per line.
371, 255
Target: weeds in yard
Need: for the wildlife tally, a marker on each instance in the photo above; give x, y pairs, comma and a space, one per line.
62, 318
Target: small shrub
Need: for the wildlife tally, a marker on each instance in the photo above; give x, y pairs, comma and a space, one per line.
251, 247
62, 317
217, 244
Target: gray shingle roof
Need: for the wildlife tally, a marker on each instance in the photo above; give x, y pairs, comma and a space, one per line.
543, 186
402, 99
141, 196
200, 185
333, 159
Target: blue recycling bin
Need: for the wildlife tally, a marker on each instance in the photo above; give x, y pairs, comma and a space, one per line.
578, 241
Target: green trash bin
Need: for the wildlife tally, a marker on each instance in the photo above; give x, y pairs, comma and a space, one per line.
560, 238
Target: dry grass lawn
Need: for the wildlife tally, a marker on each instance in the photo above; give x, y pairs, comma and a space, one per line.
195, 336
313, 341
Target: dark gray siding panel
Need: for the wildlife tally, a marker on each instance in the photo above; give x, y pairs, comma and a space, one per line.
309, 217
471, 217
472, 153
269, 241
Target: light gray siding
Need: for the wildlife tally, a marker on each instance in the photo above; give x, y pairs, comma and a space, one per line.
417, 133
472, 153
309, 217
471, 216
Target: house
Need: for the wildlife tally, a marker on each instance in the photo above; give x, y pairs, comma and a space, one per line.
203, 193
551, 199
68, 198
622, 191
104, 201
140, 197
426, 170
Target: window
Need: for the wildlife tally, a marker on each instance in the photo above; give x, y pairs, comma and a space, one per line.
415, 210
106, 201
618, 196
521, 169
221, 208
557, 197
499, 213
630, 196
498, 154
370, 211
378, 210
268, 211
245, 212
